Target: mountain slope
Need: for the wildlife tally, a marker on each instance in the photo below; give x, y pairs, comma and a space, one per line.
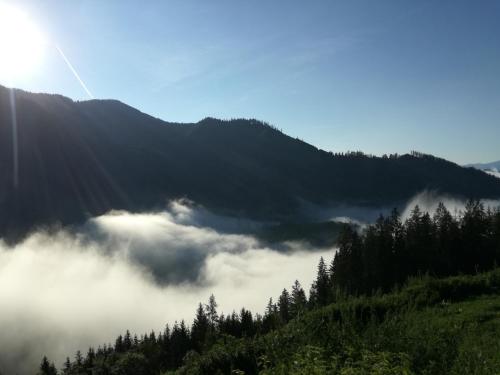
492, 169
84, 158
484, 166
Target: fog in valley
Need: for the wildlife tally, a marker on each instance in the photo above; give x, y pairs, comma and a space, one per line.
81, 287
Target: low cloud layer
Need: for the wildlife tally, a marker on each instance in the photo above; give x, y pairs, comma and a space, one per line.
428, 201
493, 172
62, 292
65, 291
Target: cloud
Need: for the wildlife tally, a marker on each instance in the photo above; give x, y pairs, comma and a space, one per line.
69, 290
173, 245
344, 213
65, 291
428, 201
493, 172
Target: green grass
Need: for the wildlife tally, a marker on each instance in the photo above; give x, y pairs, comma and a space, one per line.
432, 326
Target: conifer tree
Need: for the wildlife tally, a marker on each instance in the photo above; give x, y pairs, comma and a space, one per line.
320, 289
284, 306
127, 341
246, 323
212, 311
199, 329
78, 359
119, 348
213, 319
298, 300
47, 368
67, 366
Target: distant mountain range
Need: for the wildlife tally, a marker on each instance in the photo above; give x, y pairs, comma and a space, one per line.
81, 159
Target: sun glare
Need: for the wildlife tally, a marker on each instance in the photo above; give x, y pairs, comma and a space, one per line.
21, 44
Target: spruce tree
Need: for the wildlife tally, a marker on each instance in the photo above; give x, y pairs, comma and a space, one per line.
298, 300
199, 329
320, 289
284, 306
67, 366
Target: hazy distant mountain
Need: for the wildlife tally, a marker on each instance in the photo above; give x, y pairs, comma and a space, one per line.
79, 159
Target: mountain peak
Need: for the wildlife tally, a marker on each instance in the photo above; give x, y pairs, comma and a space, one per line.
86, 158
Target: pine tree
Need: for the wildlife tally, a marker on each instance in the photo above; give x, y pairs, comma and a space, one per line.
78, 359
67, 366
135, 343
47, 368
200, 328
320, 289
180, 343
284, 306
246, 323
298, 300
127, 341
446, 240
89, 360
212, 311
119, 348
346, 269
474, 230
270, 320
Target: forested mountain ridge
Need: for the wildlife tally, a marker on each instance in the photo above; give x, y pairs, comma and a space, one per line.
80, 159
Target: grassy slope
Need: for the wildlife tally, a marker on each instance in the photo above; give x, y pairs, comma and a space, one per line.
448, 326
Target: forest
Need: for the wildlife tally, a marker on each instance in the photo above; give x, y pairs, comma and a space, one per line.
410, 296
242, 167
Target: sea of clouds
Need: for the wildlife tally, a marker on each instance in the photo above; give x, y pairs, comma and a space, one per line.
83, 286
68, 290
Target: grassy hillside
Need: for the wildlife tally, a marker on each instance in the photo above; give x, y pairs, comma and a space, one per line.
432, 326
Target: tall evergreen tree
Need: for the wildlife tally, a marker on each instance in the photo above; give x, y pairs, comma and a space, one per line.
199, 329
284, 306
213, 319
67, 366
47, 368
127, 341
247, 324
298, 300
320, 290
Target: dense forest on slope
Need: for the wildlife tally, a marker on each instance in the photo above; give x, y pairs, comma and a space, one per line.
380, 307
81, 159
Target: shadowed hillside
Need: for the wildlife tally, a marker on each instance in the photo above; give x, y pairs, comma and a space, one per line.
80, 159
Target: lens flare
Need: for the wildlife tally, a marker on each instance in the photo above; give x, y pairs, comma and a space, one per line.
21, 44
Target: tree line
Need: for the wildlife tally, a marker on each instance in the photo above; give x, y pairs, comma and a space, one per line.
377, 258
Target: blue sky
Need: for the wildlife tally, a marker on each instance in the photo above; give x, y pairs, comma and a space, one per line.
376, 76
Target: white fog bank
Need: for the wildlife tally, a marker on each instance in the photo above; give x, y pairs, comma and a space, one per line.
67, 291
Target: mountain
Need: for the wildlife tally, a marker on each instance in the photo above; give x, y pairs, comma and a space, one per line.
81, 159
492, 168
485, 166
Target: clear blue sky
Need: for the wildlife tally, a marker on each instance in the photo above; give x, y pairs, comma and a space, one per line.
376, 76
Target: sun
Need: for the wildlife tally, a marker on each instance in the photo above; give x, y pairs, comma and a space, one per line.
21, 44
